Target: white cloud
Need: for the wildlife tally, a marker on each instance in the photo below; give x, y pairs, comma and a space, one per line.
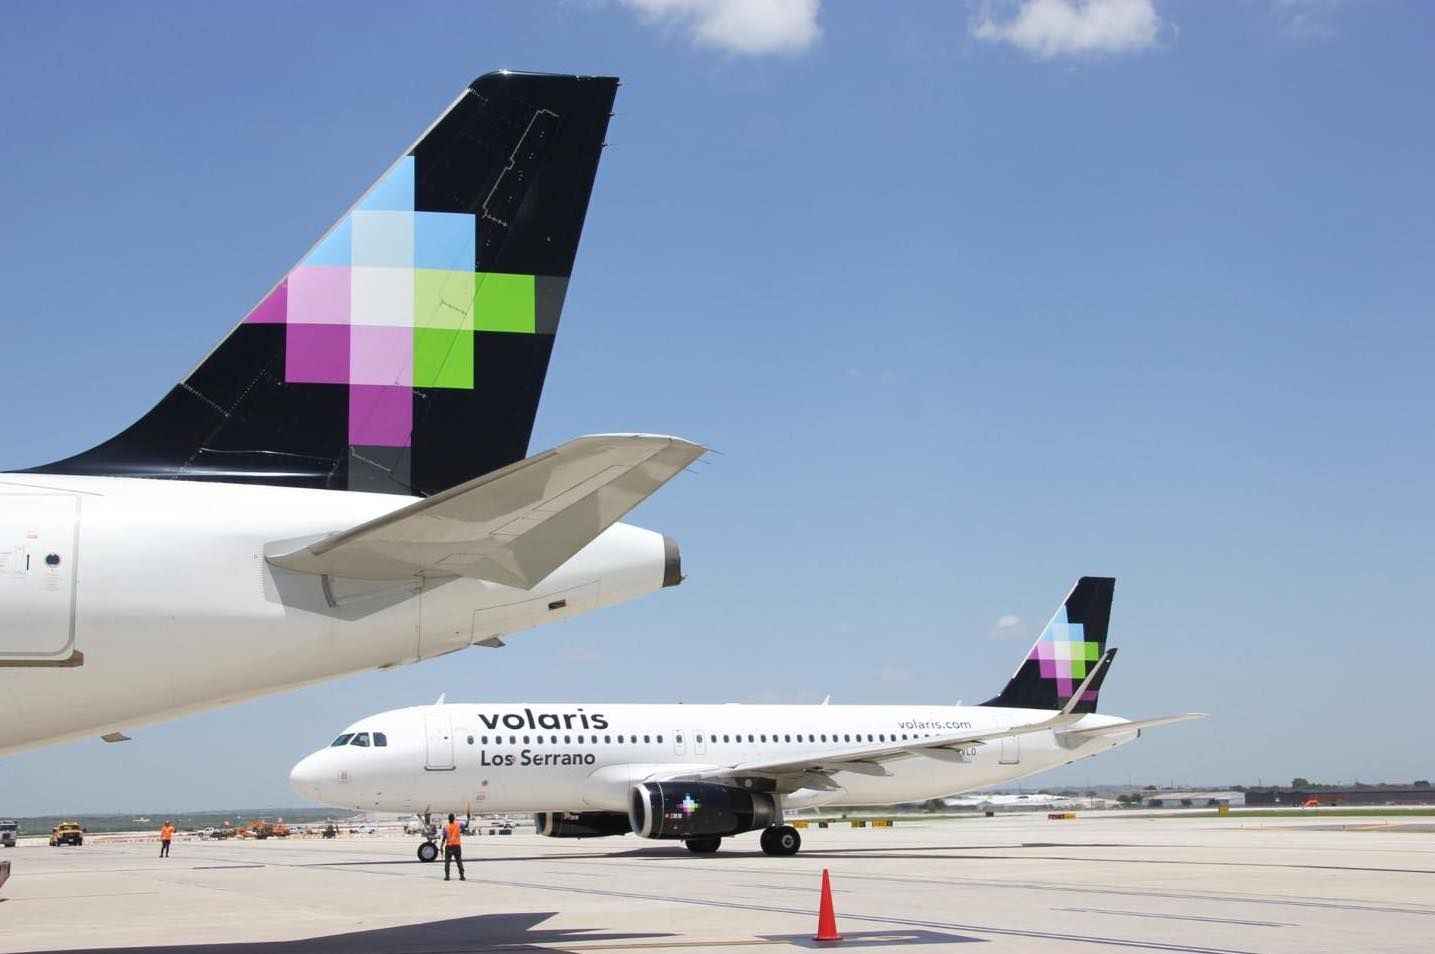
751, 27
1008, 627
1051, 28
1306, 18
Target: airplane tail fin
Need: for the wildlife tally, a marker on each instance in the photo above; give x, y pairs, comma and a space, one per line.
406, 352
1065, 652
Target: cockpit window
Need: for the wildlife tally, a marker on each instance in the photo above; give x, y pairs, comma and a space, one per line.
380, 739
361, 739
342, 740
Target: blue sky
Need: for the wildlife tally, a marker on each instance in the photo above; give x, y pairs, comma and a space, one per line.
972, 299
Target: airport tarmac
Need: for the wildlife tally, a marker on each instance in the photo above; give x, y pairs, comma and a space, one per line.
1010, 883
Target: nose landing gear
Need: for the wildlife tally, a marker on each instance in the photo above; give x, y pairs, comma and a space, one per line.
428, 849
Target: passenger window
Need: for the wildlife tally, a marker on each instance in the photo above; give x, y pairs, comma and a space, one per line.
646, 739
525, 740
361, 739
568, 740
382, 740
751, 738
660, 740
698, 738
824, 737
787, 738
513, 740
484, 740
342, 740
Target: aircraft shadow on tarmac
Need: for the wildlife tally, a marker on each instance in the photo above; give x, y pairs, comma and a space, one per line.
678, 853
509, 932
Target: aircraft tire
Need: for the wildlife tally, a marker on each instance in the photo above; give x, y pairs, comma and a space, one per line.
703, 846
781, 840
428, 851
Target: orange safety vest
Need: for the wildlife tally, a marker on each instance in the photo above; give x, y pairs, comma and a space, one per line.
451, 831
166, 833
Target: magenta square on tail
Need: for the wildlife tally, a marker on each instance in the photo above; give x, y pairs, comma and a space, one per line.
380, 416
272, 310
316, 354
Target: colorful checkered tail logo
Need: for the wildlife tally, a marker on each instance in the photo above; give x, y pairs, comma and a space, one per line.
1065, 652
406, 351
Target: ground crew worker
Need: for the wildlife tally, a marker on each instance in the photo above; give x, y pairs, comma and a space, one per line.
166, 833
452, 848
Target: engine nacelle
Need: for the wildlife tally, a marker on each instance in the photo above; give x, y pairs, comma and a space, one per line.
697, 810
581, 824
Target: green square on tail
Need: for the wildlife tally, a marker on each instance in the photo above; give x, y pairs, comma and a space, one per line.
503, 302
443, 299
443, 358
1093, 652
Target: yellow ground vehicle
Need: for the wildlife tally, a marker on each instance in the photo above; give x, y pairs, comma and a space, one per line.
67, 833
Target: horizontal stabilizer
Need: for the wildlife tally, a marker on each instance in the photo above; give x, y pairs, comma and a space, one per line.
513, 526
1083, 734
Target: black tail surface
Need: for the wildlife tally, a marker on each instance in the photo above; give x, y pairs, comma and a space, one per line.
1072, 643
406, 352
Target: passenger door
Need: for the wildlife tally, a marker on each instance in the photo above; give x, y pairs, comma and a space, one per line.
39, 537
1011, 750
439, 729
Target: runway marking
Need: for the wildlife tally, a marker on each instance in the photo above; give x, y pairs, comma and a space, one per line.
77, 897
1178, 917
1081, 888
876, 919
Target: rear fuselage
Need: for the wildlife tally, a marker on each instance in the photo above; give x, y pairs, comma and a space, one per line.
128, 601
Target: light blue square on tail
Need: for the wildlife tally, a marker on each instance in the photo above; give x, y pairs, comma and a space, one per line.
395, 191
445, 240
337, 248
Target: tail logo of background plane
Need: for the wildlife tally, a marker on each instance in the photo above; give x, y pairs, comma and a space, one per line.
388, 302
1064, 654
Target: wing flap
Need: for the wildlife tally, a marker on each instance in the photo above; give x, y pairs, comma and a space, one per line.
513, 526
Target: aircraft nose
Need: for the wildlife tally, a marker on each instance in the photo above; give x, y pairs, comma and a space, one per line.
307, 777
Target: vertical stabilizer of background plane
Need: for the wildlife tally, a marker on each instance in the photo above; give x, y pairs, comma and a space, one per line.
406, 352
1070, 645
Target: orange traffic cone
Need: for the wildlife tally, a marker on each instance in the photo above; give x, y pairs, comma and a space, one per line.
826, 917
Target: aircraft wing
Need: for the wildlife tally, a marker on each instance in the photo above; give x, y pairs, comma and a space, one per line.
513, 526
815, 771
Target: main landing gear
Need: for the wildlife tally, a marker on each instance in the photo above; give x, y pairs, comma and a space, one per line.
781, 840
428, 851
778, 840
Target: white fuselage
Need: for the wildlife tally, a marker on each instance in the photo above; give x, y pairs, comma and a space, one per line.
587, 758
128, 601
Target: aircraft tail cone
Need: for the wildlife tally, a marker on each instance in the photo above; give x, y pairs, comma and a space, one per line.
826, 917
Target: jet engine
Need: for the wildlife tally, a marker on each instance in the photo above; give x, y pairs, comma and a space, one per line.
581, 824
697, 810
